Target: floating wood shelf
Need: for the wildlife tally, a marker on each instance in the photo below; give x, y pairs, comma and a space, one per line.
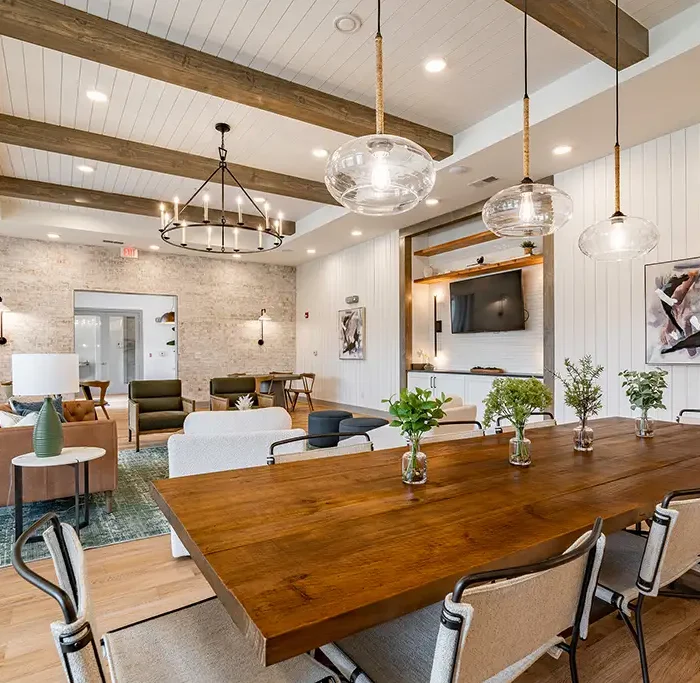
484, 269
468, 241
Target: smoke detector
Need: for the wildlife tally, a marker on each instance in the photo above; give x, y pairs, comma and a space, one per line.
484, 181
347, 23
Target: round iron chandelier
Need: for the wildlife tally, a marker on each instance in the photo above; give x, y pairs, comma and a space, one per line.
219, 233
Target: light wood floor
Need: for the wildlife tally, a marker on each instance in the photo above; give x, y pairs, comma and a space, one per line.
135, 580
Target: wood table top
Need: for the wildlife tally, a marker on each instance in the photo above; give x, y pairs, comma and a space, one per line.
309, 552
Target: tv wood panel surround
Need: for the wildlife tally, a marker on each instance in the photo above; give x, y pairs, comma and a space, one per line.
483, 269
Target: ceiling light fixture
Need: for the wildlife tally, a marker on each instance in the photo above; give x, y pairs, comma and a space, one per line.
320, 153
431, 201
96, 96
529, 209
260, 200
154, 247
53, 236
356, 233
83, 168
380, 175
310, 251
620, 237
223, 235
560, 150
81, 200
435, 66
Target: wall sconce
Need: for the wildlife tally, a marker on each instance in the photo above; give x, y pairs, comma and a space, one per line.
3, 309
437, 326
264, 317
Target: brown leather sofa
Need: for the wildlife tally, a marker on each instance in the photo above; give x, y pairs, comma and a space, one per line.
48, 483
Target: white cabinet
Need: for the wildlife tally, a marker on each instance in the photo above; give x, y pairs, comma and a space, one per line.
450, 385
477, 389
420, 380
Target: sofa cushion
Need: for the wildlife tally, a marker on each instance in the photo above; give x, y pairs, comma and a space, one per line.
155, 405
8, 419
25, 407
79, 411
220, 386
154, 388
165, 419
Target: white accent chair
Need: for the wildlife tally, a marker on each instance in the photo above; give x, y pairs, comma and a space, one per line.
213, 422
194, 644
190, 454
492, 627
638, 565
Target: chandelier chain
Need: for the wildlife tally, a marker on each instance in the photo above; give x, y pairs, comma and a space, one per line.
379, 101
617, 107
526, 107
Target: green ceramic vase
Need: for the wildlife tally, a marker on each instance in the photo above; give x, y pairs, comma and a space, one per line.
48, 432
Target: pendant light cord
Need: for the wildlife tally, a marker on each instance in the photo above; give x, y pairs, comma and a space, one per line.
379, 106
617, 107
526, 110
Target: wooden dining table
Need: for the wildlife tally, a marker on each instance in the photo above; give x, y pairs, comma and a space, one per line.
305, 553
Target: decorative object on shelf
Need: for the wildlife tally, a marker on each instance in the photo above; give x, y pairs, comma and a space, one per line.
428, 271
425, 358
380, 174
528, 247
167, 318
415, 413
584, 395
170, 342
480, 260
645, 390
672, 295
351, 333
46, 374
620, 237
264, 318
516, 400
245, 402
478, 370
529, 209
3, 309
221, 235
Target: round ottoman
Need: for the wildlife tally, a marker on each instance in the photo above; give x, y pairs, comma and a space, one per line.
326, 422
361, 424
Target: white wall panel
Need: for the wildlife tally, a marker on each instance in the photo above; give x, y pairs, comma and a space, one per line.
370, 270
599, 306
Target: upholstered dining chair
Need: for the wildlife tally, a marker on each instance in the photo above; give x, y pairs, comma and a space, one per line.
548, 422
491, 628
454, 430
307, 386
365, 446
686, 416
194, 644
638, 565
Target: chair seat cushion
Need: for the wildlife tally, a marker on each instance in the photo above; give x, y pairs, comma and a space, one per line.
361, 424
232, 398
198, 644
326, 422
620, 567
165, 419
399, 651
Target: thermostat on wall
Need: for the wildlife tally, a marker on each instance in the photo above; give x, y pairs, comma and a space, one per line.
352, 299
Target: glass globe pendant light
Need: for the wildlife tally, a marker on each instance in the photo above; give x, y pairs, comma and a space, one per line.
529, 209
620, 237
380, 174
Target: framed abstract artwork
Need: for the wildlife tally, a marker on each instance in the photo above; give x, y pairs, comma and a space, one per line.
351, 333
672, 299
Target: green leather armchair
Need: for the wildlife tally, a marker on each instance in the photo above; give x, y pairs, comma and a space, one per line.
225, 391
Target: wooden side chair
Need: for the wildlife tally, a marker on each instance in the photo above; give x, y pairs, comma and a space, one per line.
364, 447
101, 402
197, 643
307, 387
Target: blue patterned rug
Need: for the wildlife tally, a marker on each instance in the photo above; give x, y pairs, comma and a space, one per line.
134, 513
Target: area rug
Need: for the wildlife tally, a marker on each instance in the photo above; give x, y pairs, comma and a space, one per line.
134, 513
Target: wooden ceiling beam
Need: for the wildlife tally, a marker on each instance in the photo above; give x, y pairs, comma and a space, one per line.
62, 28
19, 188
80, 143
590, 24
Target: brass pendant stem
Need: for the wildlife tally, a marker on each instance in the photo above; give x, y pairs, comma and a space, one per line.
379, 107
617, 177
526, 137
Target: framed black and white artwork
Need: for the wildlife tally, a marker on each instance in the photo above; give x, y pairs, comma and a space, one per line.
351, 333
672, 298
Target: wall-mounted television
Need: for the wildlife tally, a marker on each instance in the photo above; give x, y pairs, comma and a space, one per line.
492, 303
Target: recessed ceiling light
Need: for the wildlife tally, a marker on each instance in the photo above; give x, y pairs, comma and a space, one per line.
83, 168
356, 233
561, 149
435, 66
81, 200
96, 96
53, 236
310, 251
236, 256
259, 200
320, 153
347, 23
431, 201
154, 247
458, 170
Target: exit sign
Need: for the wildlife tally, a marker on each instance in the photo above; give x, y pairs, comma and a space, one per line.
130, 252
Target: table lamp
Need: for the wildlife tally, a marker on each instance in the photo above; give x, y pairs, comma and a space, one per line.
43, 374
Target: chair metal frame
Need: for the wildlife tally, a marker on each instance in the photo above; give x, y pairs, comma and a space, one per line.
476, 423
306, 437
543, 413
684, 411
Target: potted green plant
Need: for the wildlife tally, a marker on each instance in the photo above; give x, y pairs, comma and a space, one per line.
528, 247
645, 390
584, 395
415, 413
516, 400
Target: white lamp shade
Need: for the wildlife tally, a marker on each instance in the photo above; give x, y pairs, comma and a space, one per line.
41, 374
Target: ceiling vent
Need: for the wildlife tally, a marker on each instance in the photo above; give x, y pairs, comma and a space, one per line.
484, 181
112, 242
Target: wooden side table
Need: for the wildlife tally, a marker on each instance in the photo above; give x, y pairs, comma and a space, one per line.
69, 456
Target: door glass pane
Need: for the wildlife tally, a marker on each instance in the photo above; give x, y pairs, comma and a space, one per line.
130, 348
88, 347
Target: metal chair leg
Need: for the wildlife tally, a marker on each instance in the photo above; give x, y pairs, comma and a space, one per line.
573, 668
640, 639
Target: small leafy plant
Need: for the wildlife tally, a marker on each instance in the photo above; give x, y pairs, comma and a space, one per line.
581, 390
528, 244
645, 390
516, 399
416, 412
245, 402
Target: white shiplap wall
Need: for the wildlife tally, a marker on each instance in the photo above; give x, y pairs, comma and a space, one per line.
370, 270
600, 307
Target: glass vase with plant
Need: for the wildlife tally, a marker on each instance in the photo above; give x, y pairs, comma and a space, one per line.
516, 400
584, 395
424, 358
645, 390
528, 247
415, 413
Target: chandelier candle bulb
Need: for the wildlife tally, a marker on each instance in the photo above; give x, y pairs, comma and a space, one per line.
206, 208
240, 211
235, 238
184, 233
208, 236
260, 234
267, 217
176, 202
